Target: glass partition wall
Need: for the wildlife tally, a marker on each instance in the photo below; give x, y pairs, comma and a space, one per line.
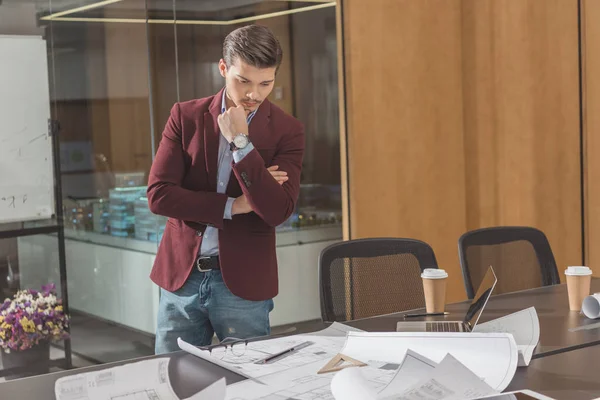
115, 69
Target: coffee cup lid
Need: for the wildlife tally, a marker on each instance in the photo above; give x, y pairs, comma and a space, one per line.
575, 271
434, 273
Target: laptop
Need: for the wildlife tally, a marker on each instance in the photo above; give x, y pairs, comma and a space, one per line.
471, 317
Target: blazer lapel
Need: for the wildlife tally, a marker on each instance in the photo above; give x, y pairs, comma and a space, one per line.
257, 130
211, 139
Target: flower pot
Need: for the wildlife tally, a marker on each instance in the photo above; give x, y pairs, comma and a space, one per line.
36, 361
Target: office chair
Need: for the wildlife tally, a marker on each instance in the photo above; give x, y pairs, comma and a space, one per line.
521, 257
368, 277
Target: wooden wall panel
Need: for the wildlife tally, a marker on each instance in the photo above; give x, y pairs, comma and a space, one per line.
521, 110
591, 98
460, 115
405, 130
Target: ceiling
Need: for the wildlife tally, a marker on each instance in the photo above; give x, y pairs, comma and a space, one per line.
48, 6
198, 12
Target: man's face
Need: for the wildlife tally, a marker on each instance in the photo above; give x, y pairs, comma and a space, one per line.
247, 86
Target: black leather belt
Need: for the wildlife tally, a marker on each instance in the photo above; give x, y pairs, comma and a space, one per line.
205, 264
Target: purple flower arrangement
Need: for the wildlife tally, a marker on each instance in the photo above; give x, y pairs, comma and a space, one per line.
32, 317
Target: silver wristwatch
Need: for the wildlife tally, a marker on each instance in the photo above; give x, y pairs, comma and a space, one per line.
239, 142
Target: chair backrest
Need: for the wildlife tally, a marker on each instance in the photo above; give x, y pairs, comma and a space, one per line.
521, 257
367, 277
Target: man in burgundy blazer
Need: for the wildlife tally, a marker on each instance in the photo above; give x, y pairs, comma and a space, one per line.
226, 173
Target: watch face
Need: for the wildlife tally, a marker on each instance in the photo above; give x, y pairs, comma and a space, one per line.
240, 141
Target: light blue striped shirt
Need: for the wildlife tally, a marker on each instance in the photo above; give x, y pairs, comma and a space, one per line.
210, 243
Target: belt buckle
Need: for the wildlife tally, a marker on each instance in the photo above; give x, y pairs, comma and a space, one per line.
198, 260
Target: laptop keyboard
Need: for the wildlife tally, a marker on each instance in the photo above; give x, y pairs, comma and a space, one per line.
444, 327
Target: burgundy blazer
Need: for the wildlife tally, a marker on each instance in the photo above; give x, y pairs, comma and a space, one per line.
182, 185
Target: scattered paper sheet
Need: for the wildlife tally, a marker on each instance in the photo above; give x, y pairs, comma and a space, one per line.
450, 380
142, 380
328, 342
350, 384
412, 370
335, 330
322, 350
304, 383
400, 365
491, 356
525, 328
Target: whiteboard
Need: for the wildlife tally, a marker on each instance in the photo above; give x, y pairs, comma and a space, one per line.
26, 163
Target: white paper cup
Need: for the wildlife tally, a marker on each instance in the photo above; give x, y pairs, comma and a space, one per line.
434, 286
591, 306
579, 280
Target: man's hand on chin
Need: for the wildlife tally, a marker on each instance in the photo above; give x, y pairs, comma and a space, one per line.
233, 122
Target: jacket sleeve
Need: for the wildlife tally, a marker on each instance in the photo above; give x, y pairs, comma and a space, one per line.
273, 202
166, 196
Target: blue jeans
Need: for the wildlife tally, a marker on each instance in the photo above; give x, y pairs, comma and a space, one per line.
204, 306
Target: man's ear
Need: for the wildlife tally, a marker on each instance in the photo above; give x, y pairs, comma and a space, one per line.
222, 68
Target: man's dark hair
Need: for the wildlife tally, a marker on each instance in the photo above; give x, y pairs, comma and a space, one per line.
253, 44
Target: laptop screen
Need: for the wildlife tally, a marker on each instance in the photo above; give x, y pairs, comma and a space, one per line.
481, 297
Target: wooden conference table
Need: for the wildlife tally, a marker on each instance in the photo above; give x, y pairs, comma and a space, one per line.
564, 364
551, 304
572, 375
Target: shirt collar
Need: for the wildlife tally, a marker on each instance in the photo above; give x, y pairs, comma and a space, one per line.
224, 107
